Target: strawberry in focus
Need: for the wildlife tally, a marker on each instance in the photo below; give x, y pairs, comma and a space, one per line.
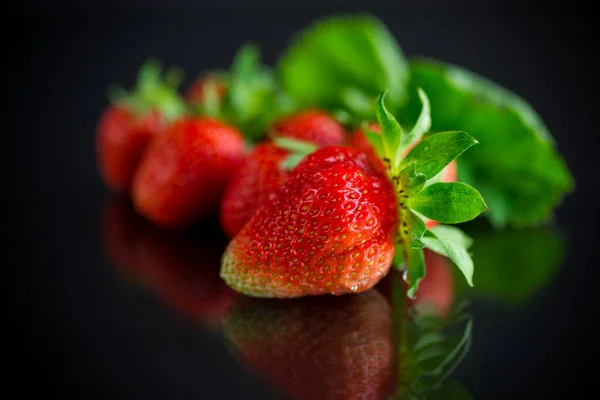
262, 173
127, 126
185, 171
317, 348
329, 228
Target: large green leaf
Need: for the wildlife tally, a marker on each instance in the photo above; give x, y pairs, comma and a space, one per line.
450, 242
516, 166
449, 203
432, 154
344, 61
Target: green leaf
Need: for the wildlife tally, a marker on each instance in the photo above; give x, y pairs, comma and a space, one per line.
452, 243
294, 145
449, 203
391, 133
513, 265
449, 389
298, 150
398, 260
446, 354
375, 139
410, 180
415, 269
343, 52
153, 92
432, 154
416, 228
516, 166
253, 101
422, 125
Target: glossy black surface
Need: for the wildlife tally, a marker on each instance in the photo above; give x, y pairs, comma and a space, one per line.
85, 328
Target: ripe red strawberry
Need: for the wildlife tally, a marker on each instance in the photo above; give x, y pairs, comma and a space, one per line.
196, 93
252, 185
358, 140
259, 176
185, 170
122, 138
317, 348
329, 228
127, 126
313, 126
182, 268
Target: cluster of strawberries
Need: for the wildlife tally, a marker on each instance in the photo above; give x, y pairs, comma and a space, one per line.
310, 208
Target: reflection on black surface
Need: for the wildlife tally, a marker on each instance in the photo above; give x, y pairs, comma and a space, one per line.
373, 345
376, 345
512, 265
181, 267
317, 347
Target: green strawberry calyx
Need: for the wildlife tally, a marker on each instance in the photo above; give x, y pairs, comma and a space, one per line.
153, 92
419, 195
298, 149
253, 100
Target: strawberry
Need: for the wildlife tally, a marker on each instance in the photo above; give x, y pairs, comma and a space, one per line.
181, 268
252, 185
262, 172
329, 228
317, 348
185, 170
313, 126
359, 141
122, 139
197, 91
127, 126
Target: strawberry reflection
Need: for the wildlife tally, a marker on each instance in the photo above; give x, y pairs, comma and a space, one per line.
317, 347
435, 295
375, 345
181, 267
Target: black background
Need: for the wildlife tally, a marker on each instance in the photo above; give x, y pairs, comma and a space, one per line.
79, 332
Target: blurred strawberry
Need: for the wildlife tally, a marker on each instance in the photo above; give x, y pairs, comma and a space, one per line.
253, 184
127, 126
311, 125
182, 268
317, 348
184, 172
